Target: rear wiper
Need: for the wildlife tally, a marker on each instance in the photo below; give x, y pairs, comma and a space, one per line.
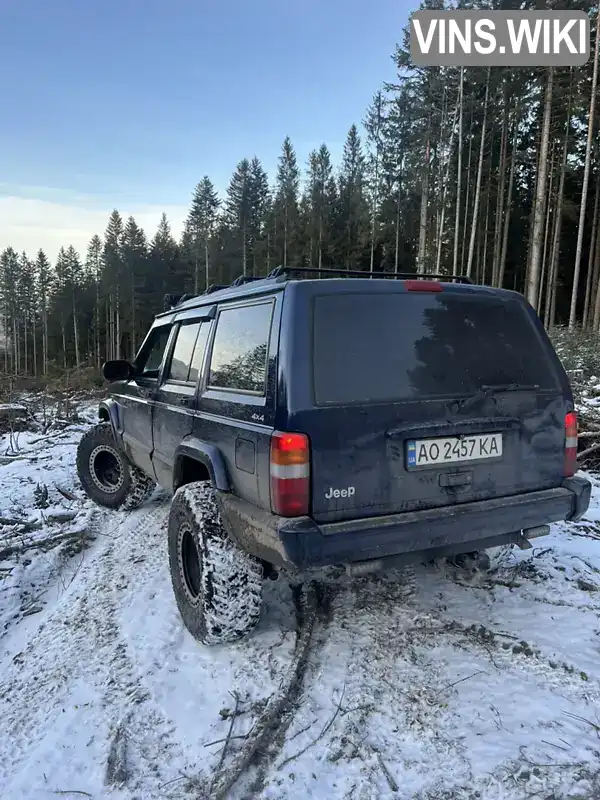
486, 390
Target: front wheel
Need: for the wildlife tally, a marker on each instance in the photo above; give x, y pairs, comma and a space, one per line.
217, 586
107, 476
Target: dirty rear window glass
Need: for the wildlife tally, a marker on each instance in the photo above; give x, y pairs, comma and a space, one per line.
386, 347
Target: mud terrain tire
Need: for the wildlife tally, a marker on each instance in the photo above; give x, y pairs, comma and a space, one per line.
217, 586
107, 476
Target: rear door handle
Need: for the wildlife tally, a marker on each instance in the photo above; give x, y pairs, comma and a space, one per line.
183, 401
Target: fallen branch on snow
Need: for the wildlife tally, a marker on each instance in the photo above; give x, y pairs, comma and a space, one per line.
388, 775
68, 495
320, 736
236, 697
45, 544
461, 680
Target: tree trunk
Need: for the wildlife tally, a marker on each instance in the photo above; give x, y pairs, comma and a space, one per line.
468, 185
477, 199
446, 180
5, 329
268, 252
285, 235
132, 346
533, 277
547, 228
117, 349
424, 206
397, 242
500, 195
34, 344
485, 237
75, 333
511, 181
555, 249
586, 180
375, 199
458, 173
206, 262
244, 250
439, 160
320, 239
590, 271
25, 343
596, 322
595, 272
97, 318
64, 340
108, 335
15, 347
45, 342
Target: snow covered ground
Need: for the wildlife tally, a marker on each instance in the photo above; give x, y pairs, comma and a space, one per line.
433, 683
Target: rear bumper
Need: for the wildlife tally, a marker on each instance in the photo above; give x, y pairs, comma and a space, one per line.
302, 543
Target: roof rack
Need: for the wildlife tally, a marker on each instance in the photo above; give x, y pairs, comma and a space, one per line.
174, 300
280, 272
242, 279
215, 287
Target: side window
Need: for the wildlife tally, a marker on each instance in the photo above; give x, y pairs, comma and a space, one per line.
239, 354
181, 360
199, 350
150, 358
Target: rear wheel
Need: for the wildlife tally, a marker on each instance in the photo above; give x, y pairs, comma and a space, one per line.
217, 586
107, 476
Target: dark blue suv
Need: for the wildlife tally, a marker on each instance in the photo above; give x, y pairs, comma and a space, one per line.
362, 421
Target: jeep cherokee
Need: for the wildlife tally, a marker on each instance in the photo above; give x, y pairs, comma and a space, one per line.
341, 420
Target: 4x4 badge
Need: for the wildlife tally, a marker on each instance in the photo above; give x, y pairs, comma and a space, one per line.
258, 417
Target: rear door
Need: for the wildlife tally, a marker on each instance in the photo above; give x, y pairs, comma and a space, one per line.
400, 420
236, 408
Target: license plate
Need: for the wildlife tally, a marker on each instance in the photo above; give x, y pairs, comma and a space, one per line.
433, 452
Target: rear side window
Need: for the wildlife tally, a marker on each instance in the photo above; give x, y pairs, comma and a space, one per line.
239, 353
396, 346
199, 350
181, 359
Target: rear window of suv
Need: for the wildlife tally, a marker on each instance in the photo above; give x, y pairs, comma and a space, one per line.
370, 348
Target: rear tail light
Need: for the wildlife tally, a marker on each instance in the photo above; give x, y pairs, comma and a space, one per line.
570, 444
290, 474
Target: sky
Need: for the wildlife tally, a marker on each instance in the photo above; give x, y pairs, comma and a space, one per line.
128, 103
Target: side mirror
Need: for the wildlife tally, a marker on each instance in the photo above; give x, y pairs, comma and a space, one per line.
117, 370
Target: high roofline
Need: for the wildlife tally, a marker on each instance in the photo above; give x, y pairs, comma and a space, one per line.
278, 277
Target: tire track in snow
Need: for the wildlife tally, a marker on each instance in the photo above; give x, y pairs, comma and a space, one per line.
80, 639
386, 701
268, 731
